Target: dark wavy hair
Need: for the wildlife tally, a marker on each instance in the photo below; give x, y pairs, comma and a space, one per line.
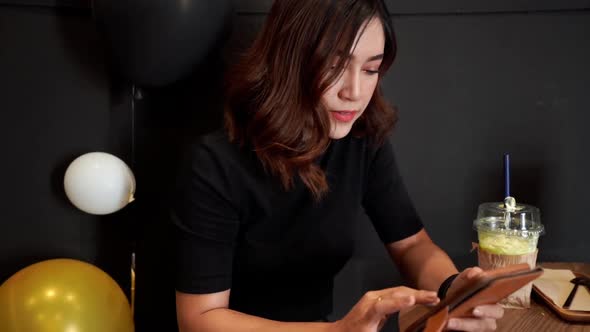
274, 91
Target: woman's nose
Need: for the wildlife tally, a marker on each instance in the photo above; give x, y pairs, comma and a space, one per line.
351, 86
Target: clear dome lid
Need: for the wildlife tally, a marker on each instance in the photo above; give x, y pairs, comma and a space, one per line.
509, 218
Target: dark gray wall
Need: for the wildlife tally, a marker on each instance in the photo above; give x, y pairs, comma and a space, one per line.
473, 80
473, 87
56, 104
424, 7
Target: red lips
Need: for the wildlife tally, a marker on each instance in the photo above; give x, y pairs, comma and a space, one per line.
343, 116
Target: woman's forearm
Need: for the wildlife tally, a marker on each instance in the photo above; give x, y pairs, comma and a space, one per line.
226, 320
427, 266
424, 264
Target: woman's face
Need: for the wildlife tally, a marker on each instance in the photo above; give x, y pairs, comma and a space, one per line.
348, 97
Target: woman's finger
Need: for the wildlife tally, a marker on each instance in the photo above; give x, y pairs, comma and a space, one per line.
494, 311
388, 305
422, 296
472, 324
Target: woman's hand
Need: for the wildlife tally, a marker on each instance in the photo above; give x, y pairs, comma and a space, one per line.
485, 316
370, 313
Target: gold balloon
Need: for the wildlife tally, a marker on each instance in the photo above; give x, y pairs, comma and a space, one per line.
63, 295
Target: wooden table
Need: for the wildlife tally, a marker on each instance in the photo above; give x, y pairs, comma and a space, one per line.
538, 318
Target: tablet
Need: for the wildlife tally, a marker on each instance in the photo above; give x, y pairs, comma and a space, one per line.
488, 288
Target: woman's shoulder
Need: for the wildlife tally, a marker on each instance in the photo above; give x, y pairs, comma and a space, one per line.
213, 144
217, 140
215, 151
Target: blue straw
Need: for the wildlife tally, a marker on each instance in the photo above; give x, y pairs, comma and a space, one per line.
506, 175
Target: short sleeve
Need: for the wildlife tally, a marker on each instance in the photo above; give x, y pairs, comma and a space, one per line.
205, 225
386, 200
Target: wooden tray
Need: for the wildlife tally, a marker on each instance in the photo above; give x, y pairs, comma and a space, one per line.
569, 315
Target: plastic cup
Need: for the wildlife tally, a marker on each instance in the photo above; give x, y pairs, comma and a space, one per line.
508, 231
508, 234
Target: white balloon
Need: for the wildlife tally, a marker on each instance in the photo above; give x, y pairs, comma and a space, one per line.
99, 183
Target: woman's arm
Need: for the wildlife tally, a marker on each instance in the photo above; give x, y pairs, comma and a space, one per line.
210, 313
422, 262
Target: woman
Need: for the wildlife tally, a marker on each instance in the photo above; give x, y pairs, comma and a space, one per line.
266, 211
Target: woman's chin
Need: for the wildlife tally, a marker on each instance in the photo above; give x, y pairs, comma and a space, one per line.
339, 132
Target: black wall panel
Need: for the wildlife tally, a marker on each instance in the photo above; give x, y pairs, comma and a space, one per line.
445, 7
167, 119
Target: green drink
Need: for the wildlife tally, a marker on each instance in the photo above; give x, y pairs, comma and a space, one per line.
508, 228
507, 243
508, 234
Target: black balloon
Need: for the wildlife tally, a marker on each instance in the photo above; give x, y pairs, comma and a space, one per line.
156, 42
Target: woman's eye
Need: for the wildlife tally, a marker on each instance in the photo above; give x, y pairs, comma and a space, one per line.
371, 72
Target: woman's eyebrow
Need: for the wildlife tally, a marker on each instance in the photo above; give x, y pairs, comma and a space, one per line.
371, 58
376, 57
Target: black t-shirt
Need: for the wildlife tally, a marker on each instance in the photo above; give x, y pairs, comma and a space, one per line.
278, 251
